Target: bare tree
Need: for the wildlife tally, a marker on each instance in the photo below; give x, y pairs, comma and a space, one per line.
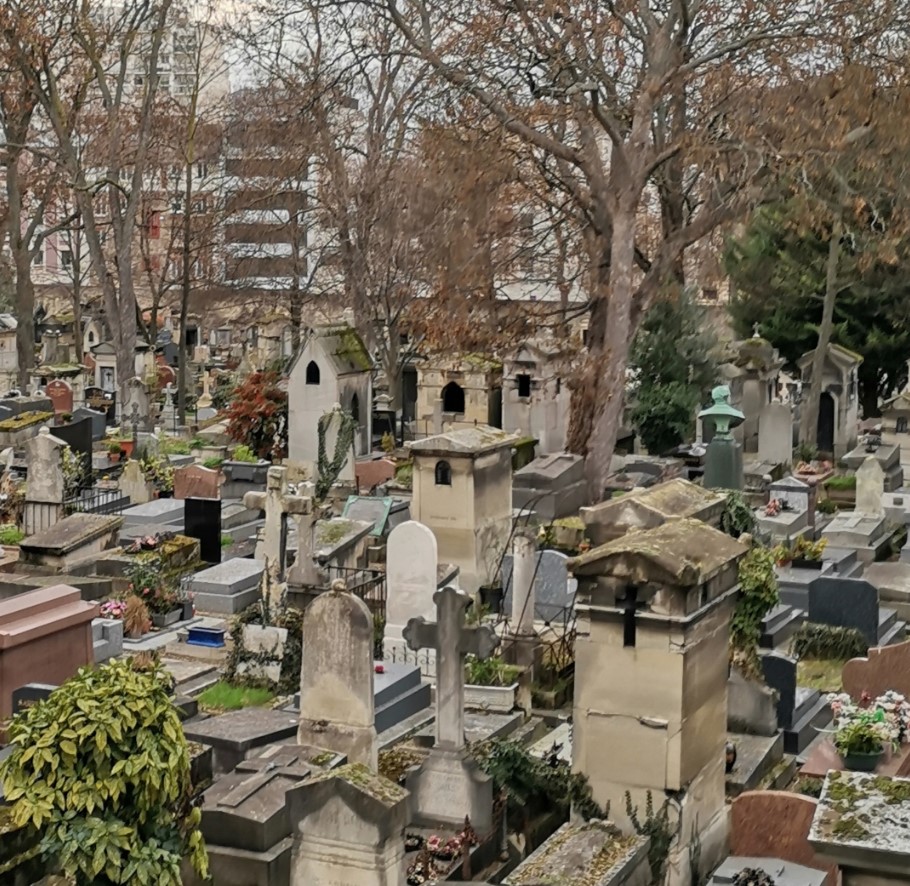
629, 109
94, 72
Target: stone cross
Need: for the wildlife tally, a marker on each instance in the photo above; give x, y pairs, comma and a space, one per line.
205, 399
278, 503
452, 640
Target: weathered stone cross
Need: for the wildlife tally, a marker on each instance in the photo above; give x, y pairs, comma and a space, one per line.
452, 641
277, 504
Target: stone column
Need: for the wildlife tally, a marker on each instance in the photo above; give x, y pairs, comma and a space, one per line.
524, 563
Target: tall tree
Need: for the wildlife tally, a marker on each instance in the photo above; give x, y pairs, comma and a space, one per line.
634, 110
94, 72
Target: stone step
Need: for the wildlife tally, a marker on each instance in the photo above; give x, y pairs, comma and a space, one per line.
782, 630
411, 702
756, 757
195, 687
886, 618
781, 775
101, 650
805, 730
408, 680
896, 633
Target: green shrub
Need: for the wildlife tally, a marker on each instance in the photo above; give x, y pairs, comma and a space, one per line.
10, 534
841, 481
101, 770
827, 642
759, 595
227, 540
489, 672
826, 506
213, 463
244, 454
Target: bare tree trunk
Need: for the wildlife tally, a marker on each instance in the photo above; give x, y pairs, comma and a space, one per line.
25, 315
185, 286
808, 431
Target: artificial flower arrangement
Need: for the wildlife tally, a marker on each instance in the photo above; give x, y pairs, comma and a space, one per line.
863, 731
113, 609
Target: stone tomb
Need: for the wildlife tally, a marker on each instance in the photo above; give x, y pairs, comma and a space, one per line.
45, 637
674, 500
227, 588
853, 603
348, 828
775, 825
655, 606
800, 712
160, 512
236, 735
74, 540
889, 460
552, 486
867, 534
336, 678
245, 818
866, 836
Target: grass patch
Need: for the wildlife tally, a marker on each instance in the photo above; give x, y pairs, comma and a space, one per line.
223, 696
821, 674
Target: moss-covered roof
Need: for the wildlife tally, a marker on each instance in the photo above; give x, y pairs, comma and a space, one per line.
376, 786
678, 497
685, 552
343, 343
465, 441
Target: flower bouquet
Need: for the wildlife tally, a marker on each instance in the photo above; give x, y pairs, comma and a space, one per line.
113, 609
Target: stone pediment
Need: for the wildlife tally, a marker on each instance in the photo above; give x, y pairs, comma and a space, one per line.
648, 508
682, 553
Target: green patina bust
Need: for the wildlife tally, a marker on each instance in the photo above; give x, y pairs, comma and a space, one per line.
724, 416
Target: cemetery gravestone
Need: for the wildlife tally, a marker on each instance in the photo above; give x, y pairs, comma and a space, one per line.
775, 434
410, 577
46, 486
61, 393
870, 487
98, 420
29, 695
134, 485
202, 520
884, 668
78, 436
227, 588
845, 603
449, 785
800, 712
195, 481
554, 588
336, 678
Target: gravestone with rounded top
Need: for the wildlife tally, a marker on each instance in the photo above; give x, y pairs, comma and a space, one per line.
870, 487
336, 678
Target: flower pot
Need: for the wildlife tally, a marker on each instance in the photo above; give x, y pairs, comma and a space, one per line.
187, 610
163, 620
126, 447
113, 457
861, 762
165, 493
803, 563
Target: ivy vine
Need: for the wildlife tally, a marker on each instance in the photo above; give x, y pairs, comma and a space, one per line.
737, 517
329, 471
759, 594
657, 827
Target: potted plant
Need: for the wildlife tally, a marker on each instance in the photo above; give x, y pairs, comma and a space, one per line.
113, 452
136, 620
245, 466
126, 447
861, 742
490, 684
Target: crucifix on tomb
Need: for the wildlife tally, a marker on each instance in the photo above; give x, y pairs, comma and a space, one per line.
278, 504
630, 605
452, 640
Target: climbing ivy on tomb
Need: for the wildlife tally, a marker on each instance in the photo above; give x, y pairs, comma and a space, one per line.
329, 471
